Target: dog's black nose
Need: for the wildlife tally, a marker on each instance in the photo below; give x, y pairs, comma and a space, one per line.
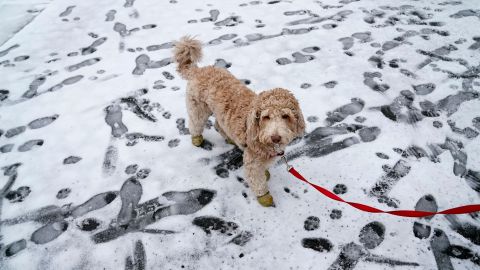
276, 138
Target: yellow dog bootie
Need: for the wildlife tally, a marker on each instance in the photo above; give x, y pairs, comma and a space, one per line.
197, 140
230, 141
267, 174
266, 200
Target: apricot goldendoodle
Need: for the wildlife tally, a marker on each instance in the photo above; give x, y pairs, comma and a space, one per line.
261, 125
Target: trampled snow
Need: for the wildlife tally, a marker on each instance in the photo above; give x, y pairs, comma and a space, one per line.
98, 171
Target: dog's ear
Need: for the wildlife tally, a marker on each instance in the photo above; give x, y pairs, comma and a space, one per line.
252, 125
300, 123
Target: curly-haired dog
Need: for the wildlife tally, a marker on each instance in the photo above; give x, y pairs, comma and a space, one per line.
261, 125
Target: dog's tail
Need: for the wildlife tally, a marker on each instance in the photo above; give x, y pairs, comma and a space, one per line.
188, 52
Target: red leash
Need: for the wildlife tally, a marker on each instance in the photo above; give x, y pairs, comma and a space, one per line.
402, 213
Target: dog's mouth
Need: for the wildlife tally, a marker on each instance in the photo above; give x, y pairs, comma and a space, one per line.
278, 150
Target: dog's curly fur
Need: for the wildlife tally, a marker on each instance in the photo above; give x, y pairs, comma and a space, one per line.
262, 125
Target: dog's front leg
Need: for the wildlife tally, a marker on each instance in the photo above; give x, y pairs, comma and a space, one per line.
255, 173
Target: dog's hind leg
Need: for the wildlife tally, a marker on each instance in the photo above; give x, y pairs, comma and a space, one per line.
219, 129
198, 113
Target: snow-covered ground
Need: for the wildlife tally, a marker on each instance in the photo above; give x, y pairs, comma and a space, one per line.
16, 14
98, 171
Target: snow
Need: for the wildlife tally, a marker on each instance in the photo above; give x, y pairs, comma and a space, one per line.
188, 214
17, 14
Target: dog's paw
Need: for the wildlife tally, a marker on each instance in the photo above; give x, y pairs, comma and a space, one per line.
197, 140
266, 200
230, 141
267, 174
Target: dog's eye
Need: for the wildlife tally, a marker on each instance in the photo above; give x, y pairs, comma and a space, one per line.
285, 116
266, 117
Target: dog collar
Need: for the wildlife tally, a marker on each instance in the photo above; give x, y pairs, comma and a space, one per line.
275, 154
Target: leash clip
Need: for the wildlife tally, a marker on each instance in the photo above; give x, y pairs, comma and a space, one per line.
286, 163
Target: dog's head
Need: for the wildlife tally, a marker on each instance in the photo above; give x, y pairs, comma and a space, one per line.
275, 119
